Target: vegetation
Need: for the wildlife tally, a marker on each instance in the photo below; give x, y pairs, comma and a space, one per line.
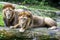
54, 2
43, 7
1, 17
1, 21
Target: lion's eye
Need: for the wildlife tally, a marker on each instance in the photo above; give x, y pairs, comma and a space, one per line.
24, 19
10, 10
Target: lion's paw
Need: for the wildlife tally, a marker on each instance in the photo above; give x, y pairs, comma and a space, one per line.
53, 28
21, 30
11, 27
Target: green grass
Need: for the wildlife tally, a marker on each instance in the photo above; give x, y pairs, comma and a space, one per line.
1, 18
1, 5
1, 21
37, 7
42, 7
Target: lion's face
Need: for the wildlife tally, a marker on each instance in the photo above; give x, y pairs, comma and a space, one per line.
24, 19
8, 12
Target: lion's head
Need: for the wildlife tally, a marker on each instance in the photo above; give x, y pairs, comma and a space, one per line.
8, 10
25, 20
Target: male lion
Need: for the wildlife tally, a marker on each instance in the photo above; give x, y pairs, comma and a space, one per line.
27, 20
8, 14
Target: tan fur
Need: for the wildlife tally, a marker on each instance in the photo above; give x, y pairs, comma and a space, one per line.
36, 21
43, 21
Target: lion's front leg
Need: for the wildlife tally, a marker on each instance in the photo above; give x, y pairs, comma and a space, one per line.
53, 27
21, 30
6, 23
14, 27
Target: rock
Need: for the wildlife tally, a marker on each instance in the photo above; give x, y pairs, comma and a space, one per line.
58, 13
30, 34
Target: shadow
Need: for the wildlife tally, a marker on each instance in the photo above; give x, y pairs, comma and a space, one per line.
54, 3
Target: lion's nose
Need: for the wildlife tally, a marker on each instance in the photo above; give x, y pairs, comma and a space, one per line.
24, 18
21, 30
9, 15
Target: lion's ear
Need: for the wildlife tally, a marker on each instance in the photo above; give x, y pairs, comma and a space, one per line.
13, 7
8, 5
30, 14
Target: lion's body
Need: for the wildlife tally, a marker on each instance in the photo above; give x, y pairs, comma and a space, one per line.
27, 20
8, 23
39, 21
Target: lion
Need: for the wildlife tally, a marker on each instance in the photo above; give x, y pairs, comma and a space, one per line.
17, 11
8, 15
26, 20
